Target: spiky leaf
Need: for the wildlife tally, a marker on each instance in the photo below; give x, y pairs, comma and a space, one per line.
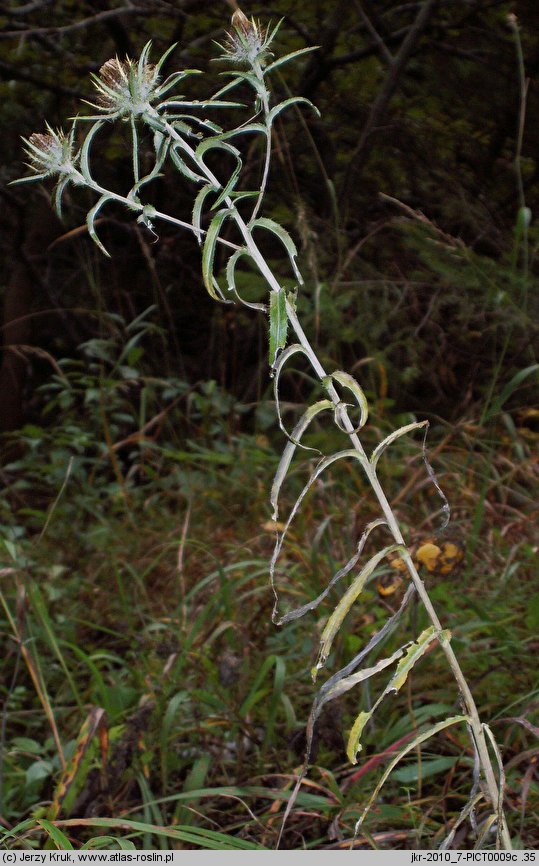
208, 252
278, 319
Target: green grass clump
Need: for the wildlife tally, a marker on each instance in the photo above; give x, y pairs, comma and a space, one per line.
150, 663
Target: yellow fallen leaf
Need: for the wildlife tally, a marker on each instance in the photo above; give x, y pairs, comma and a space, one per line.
450, 557
388, 585
428, 555
273, 526
399, 564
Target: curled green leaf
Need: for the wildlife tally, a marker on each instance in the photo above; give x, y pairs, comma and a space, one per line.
85, 151
284, 237
208, 253
348, 381
198, 207
280, 361
231, 279
402, 431
294, 100
90, 222
290, 448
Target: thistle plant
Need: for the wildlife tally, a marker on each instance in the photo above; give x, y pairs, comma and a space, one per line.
133, 93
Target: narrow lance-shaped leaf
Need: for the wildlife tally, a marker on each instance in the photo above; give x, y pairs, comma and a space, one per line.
239, 75
257, 128
327, 461
330, 689
85, 151
208, 252
237, 80
467, 811
278, 322
354, 590
161, 150
196, 103
198, 207
90, 222
346, 683
294, 349
348, 381
311, 605
228, 187
488, 828
214, 142
501, 782
288, 57
164, 56
231, 279
294, 100
412, 654
271, 34
58, 193
143, 59
402, 431
30, 179
183, 168
508, 389
290, 448
172, 80
354, 746
325, 695
284, 237
205, 124
446, 510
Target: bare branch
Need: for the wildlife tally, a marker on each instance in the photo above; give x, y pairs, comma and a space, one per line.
385, 94
378, 41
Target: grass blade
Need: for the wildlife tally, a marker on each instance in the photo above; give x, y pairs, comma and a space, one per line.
413, 744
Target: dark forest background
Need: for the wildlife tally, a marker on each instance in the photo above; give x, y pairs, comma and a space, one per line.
424, 109
138, 432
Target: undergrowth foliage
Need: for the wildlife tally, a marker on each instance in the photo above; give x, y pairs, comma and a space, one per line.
211, 158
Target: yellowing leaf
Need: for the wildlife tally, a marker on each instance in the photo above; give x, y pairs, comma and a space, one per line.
77, 769
412, 655
450, 558
398, 564
273, 526
354, 590
428, 555
389, 584
354, 745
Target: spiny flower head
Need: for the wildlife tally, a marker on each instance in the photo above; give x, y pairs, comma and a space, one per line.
126, 87
129, 88
51, 153
248, 42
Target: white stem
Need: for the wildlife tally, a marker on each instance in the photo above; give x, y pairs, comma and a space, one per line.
139, 208
465, 693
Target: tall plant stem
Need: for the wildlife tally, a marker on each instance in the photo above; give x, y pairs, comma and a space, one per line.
468, 702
